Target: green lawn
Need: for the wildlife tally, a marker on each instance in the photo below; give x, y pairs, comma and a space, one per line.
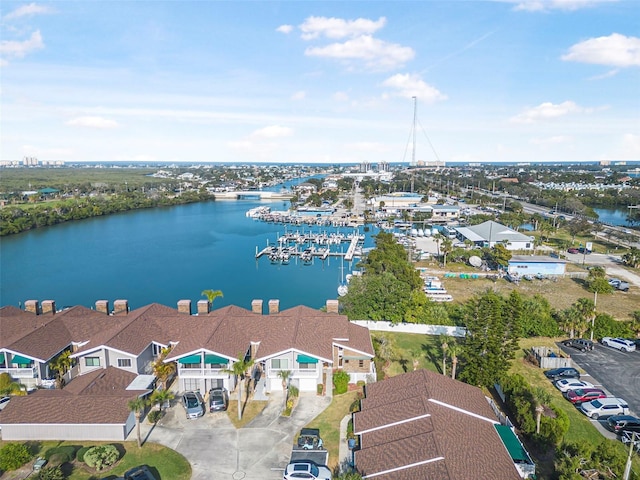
408, 347
165, 463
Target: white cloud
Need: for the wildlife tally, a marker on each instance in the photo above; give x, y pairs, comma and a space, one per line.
615, 50
548, 110
285, 29
411, 85
28, 10
315, 27
18, 49
299, 95
341, 96
92, 122
273, 131
555, 140
374, 53
546, 5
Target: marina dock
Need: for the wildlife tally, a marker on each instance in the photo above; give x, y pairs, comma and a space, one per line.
308, 246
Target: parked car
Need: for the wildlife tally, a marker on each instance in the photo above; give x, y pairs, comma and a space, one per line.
579, 344
604, 407
306, 469
571, 384
619, 284
624, 423
562, 372
218, 399
139, 473
584, 395
573, 250
621, 344
193, 404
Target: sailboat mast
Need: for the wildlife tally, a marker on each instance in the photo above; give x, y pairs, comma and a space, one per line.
415, 116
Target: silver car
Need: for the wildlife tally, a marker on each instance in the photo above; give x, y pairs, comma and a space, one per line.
306, 469
193, 404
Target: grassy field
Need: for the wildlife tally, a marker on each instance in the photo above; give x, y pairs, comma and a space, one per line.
408, 347
561, 294
165, 463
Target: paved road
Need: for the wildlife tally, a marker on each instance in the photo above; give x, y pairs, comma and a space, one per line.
617, 372
216, 450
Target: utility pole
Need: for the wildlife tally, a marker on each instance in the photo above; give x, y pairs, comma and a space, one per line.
627, 468
593, 316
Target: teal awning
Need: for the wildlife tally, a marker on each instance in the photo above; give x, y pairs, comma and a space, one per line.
306, 359
1, 357
514, 447
20, 360
191, 359
214, 359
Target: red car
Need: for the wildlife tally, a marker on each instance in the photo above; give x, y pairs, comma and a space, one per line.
584, 395
573, 250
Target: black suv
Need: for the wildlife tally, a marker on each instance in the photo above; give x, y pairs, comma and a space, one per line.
562, 372
624, 423
579, 344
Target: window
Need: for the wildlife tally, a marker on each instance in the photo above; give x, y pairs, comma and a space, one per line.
124, 362
361, 363
92, 361
280, 363
192, 384
308, 366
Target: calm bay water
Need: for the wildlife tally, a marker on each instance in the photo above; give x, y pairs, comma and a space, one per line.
163, 255
613, 216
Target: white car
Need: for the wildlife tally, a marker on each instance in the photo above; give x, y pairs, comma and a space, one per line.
308, 470
571, 384
621, 344
605, 407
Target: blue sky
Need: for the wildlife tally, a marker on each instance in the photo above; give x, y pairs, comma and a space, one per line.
303, 81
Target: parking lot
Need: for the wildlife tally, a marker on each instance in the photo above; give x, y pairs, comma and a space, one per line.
617, 372
217, 450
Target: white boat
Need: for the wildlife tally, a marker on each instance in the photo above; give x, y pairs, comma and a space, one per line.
420, 232
414, 232
342, 290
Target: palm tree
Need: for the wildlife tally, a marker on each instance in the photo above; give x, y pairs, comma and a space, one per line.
447, 244
285, 375
61, 365
137, 406
163, 371
445, 340
238, 370
454, 351
159, 397
587, 310
211, 295
10, 387
541, 397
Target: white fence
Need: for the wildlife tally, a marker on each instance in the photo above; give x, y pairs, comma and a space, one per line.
382, 326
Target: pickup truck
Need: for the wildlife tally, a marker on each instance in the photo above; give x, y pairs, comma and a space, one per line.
619, 284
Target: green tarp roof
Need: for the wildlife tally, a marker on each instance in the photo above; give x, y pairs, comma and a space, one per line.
20, 360
306, 359
208, 359
514, 447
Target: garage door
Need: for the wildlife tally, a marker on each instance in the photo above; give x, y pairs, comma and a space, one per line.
308, 384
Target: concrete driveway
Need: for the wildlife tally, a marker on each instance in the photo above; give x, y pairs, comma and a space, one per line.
216, 450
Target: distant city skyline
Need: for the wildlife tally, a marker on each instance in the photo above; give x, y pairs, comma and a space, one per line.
320, 82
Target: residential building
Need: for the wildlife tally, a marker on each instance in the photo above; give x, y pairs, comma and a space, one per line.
423, 425
490, 233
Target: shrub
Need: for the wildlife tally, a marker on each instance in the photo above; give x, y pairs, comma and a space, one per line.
61, 454
154, 416
58, 459
553, 430
101, 456
341, 381
319, 388
293, 391
13, 456
80, 453
50, 473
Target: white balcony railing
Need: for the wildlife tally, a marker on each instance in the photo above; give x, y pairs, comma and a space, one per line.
295, 373
20, 372
185, 372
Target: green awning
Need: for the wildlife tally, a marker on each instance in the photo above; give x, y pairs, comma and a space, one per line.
306, 359
191, 359
20, 360
514, 447
1, 357
215, 359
